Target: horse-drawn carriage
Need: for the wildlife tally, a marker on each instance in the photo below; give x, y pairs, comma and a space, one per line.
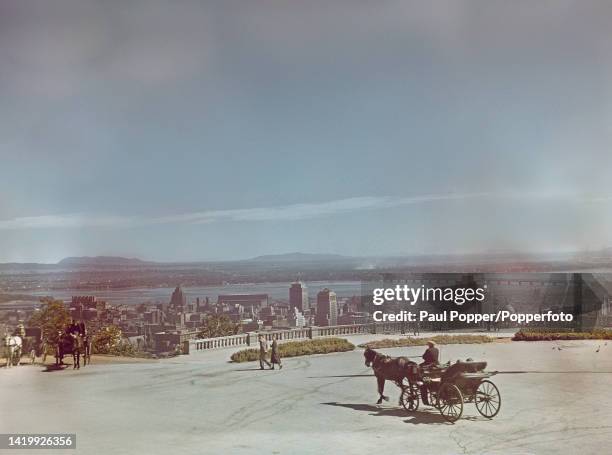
76, 344
450, 386
446, 387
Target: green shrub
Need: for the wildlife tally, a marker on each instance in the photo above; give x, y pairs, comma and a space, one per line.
546, 335
438, 339
298, 348
107, 340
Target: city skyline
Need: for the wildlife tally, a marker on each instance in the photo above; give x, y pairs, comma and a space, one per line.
205, 131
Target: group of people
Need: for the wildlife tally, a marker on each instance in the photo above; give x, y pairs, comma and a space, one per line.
263, 353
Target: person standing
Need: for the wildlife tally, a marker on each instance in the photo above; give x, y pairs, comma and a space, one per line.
275, 358
263, 351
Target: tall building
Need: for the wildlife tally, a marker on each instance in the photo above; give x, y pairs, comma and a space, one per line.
298, 296
296, 318
327, 308
178, 299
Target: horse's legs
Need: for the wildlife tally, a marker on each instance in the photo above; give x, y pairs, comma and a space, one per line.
400, 384
381, 389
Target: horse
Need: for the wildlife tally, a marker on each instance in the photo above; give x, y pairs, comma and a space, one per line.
63, 346
86, 350
388, 368
13, 345
75, 344
78, 347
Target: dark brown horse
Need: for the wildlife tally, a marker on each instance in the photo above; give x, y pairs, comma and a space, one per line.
70, 344
78, 348
87, 349
388, 368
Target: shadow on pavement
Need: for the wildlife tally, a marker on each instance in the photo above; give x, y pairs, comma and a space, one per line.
342, 376
252, 369
53, 367
415, 418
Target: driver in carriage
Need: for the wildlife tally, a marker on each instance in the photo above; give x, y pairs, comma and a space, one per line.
72, 328
431, 355
430, 359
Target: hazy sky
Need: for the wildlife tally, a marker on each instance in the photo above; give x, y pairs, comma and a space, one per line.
179, 130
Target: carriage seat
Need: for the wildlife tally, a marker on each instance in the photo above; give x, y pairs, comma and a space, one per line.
462, 367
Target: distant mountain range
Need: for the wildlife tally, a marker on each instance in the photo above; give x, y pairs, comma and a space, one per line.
298, 258
101, 261
301, 257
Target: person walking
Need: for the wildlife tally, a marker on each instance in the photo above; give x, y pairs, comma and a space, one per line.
263, 352
275, 358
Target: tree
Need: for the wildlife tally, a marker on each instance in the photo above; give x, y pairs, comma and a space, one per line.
218, 325
107, 340
50, 318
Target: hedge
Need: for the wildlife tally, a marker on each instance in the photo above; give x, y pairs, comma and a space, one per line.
544, 335
438, 339
298, 348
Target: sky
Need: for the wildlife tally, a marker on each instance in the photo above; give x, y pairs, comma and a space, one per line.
192, 130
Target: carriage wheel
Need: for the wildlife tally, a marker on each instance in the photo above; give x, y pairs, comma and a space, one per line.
410, 398
450, 402
487, 399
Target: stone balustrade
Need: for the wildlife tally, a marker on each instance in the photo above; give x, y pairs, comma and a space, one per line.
305, 333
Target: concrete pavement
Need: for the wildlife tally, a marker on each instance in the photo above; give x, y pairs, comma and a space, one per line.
553, 401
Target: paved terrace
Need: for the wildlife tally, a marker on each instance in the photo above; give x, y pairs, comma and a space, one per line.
553, 401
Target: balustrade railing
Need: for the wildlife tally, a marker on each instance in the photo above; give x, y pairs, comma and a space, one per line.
304, 333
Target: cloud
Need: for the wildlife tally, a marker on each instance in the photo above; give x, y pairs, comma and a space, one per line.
277, 213
280, 213
66, 221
